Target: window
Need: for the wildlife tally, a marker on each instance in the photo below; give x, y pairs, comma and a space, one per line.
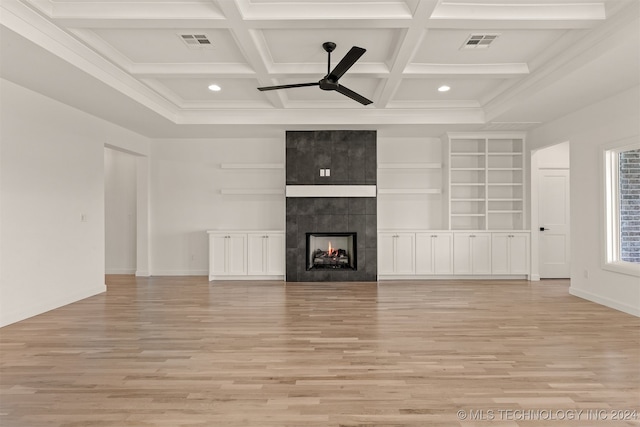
622, 208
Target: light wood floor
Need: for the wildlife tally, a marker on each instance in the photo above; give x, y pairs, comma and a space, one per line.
184, 352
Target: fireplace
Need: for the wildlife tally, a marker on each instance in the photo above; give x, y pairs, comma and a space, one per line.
331, 251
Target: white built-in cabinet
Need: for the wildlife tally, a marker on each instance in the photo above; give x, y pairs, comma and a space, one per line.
434, 253
472, 253
445, 254
265, 254
246, 255
510, 253
227, 254
396, 253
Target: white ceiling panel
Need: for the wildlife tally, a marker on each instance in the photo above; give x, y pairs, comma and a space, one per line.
304, 46
444, 46
196, 89
461, 89
166, 46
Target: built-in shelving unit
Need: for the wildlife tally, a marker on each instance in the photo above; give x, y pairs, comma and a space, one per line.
485, 181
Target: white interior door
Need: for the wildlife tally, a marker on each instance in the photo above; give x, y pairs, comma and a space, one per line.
553, 211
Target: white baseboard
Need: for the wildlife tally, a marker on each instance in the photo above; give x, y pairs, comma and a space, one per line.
120, 271
13, 316
616, 305
247, 277
535, 278
384, 277
142, 273
180, 273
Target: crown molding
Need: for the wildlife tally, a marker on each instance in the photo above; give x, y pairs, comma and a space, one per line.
34, 27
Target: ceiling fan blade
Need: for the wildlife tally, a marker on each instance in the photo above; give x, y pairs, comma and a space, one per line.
355, 96
288, 86
345, 63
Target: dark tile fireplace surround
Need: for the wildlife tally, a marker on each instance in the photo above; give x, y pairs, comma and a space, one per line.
351, 158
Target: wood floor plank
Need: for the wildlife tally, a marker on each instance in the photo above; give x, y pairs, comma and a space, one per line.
180, 351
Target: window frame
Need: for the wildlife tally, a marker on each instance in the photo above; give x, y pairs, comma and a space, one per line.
611, 207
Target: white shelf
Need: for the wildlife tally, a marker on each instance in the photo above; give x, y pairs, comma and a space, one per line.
507, 211
505, 184
467, 200
409, 191
474, 215
467, 184
251, 166
470, 153
251, 191
466, 169
409, 166
505, 200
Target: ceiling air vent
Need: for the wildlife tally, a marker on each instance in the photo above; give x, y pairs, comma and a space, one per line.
195, 41
479, 41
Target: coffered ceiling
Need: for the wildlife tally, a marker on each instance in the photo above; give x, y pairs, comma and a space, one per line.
546, 58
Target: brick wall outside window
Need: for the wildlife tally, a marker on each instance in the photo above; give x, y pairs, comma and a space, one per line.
630, 206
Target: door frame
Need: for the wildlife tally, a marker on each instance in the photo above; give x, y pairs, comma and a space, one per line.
534, 213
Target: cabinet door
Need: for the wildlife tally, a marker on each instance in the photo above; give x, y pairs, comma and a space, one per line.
275, 254
404, 253
425, 246
481, 253
236, 254
462, 253
500, 253
519, 253
386, 253
442, 253
217, 254
256, 254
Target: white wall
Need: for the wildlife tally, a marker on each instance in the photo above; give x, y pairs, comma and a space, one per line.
51, 176
186, 200
613, 119
554, 157
120, 212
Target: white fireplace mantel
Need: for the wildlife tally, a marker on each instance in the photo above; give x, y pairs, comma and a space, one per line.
331, 191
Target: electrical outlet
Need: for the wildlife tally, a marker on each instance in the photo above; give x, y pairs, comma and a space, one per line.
83, 217
327, 172
321, 172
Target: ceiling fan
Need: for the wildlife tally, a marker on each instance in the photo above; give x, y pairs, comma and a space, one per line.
330, 81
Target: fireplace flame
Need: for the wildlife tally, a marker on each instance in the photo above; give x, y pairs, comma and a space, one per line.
330, 249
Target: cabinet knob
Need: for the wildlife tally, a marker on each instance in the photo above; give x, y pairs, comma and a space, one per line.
433, 235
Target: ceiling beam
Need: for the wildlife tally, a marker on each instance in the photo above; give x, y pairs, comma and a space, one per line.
563, 11
336, 117
410, 42
248, 43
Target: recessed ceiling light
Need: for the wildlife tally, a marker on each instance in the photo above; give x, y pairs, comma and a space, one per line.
215, 88
443, 88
